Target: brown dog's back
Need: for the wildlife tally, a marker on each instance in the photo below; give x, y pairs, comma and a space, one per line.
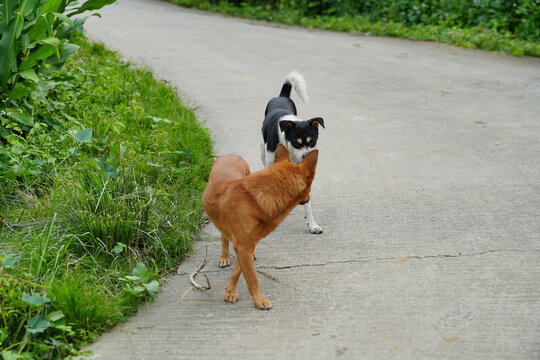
217, 196
229, 166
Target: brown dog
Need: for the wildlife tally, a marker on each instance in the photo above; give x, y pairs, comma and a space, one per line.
246, 207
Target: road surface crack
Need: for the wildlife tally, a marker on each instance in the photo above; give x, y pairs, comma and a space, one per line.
360, 261
352, 261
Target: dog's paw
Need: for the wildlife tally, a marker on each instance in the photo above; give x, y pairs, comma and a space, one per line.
224, 261
263, 304
315, 229
231, 296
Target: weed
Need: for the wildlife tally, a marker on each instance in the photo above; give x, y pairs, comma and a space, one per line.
84, 305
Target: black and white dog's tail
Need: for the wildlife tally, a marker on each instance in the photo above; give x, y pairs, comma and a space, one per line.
295, 80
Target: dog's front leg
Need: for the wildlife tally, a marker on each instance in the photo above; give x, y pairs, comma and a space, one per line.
245, 258
313, 227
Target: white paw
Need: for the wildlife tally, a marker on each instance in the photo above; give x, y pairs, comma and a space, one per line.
315, 229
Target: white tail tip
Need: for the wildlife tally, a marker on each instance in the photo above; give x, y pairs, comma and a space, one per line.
298, 83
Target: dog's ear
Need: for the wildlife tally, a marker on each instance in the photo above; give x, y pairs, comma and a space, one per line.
281, 154
310, 161
315, 122
285, 125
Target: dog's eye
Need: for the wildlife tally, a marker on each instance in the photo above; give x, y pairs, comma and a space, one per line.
300, 141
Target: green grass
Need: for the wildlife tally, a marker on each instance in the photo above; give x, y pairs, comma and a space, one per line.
91, 220
476, 37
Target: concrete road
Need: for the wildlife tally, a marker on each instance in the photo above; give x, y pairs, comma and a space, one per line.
428, 191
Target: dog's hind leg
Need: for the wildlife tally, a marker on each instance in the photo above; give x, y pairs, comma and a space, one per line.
230, 290
308, 215
225, 259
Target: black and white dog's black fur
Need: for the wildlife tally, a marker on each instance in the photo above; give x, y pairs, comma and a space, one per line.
281, 125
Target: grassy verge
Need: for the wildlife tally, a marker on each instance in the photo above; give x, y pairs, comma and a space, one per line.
471, 37
98, 204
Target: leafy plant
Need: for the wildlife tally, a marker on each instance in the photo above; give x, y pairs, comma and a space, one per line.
139, 282
36, 33
27, 315
34, 43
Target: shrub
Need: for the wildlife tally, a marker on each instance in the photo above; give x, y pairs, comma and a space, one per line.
521, 18
34, 43
508, 27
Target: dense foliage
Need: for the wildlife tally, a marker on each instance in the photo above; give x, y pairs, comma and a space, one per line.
34, 43
499, 25
519, 17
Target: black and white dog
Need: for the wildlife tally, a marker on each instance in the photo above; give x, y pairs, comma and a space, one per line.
281, 125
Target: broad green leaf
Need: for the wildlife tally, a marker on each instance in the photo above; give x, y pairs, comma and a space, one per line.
41, 53
139, 289
9, 46
129, 277
66, 31
152, 287
50, 41
3, 335
65, 328
29, 74
22, 116
29, 6
9, 11
83, 135
65, 52
38, 29
13, 172
36, 299
38, 324
55, 316
9, 355
50, 6
64, 18
119, 248
91, 5
141, 272
109, 169
19, 92
74, 151
10, 261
